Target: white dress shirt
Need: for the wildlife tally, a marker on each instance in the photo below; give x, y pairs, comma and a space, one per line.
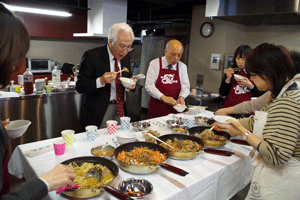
152, 76
113, 94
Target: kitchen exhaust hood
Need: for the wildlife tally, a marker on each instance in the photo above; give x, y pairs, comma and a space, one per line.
255, 12
102, 15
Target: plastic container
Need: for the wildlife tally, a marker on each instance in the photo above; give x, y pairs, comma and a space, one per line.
28, 82
56, 76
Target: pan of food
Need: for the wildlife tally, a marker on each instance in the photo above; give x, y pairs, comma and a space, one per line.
211, 138
185, 146
144, 158
90, 187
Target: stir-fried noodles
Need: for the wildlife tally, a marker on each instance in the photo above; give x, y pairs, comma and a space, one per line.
182, 145
141, 156
86, 183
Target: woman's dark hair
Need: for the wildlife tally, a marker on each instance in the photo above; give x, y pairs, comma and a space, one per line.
296, 58
14, 43
241, 51
272, 62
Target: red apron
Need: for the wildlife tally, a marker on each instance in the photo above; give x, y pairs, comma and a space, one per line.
238, 93
168, 83
5, 188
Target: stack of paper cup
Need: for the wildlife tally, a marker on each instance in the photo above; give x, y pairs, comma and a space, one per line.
189, 121
91, 132
111, 126
59, 147
68, 136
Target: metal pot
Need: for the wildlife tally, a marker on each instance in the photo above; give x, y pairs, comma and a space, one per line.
89, 193
179, 154
136, 169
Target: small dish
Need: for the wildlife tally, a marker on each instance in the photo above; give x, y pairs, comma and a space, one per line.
171, 122
141, 126
222, 119
238, 77
103, 151
136, 188
127, 82
180, 129
179, 107
17, 128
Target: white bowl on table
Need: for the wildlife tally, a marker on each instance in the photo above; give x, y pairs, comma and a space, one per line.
17, 128
127, 82
238, 77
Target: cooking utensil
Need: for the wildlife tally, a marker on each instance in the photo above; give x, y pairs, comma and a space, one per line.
136, 169
60, 190
211, 128
219, 152
238, 141
199, 129
180, 154
139, 76
94, 172
160, 140
137, 188
124, 69
89, 193
106, 149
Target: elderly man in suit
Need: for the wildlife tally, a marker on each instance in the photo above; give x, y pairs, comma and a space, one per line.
98, 80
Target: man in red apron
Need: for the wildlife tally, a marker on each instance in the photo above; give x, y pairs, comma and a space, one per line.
167, 81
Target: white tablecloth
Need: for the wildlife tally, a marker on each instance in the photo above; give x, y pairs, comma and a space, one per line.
210, 176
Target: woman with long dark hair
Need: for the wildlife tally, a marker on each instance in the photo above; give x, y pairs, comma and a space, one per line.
14, 44
275, 131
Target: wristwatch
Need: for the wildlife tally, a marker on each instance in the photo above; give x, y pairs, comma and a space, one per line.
246, 135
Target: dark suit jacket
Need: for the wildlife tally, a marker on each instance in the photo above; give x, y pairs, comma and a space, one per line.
94, 103
33, 189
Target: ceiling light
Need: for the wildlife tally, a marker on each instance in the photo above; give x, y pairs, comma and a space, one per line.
38, 11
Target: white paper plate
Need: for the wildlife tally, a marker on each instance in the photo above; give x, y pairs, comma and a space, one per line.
222, 119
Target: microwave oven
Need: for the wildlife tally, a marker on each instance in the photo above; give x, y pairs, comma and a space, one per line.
40, 65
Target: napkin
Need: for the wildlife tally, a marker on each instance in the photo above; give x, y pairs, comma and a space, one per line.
39, 151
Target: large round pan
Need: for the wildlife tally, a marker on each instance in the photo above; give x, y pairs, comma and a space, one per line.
135, 168
88, 193
199, 129
179, 154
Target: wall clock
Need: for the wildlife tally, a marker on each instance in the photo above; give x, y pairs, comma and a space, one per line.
207, 29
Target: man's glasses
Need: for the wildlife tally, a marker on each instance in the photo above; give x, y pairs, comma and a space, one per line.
123, 47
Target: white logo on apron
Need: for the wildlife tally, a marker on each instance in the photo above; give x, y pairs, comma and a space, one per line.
240, 89
168, 79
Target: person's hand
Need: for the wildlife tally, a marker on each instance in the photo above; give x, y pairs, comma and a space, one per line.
229, 72
245, 82
59, 177
132, 87
108, 77
181, 101
224, 111
168, 100
234, 128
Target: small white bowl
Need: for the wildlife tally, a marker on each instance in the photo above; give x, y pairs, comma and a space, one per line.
179, 107
222, 119
127, 82
17, 128
238, 77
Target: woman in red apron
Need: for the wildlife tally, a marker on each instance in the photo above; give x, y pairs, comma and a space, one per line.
168, 83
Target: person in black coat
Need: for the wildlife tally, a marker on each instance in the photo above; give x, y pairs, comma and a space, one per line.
98, 80
14, 44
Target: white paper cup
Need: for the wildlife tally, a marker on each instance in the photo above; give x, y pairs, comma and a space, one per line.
125, 122
111, 126
48, 88
91, 132
68, 136
20, 80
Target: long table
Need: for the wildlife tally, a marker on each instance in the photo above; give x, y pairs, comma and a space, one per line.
210, 176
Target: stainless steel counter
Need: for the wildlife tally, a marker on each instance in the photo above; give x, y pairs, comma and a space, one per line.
50, 113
